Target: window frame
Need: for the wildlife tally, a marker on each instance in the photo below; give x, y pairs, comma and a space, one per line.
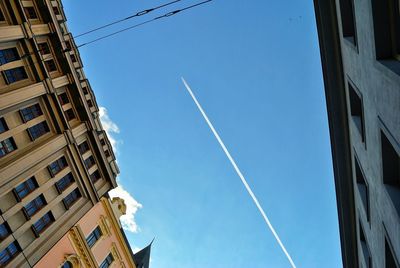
4, 146
16, 77
38, 130
3, 125
26, 188
45, 226
94, 237
12, 255
57, 162
35, 206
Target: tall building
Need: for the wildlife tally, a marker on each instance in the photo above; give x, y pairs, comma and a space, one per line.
360, 52
56, 161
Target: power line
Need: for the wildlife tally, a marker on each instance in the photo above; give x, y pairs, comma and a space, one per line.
169, 14
140, 13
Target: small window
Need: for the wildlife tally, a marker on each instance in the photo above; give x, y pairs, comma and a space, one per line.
15, 75
44, 48
90, 103
50, 65
34, 206
89, 162
365, 248
348, 22
107, 153
68, 45
391, 170
73, 58
94, 237
31, 112
5, 231
356, 108
57, 166
38, 130
7, 146
362, 187
25, 188
69, 114
85, 90
95, 176
103, 142
390, 260
9, 253
64, 182
8, 55
30, 13
3, 125
67, 265
56, 10
43, 223
83, 147
107, 262
63, 97
70, 199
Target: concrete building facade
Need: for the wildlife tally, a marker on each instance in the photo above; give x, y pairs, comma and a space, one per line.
360, 48
56, 161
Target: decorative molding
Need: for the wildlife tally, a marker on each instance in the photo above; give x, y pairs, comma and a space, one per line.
83, 250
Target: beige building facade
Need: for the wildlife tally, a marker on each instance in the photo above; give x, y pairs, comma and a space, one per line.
56, 161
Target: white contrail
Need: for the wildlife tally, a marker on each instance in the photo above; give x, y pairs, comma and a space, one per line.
239, 174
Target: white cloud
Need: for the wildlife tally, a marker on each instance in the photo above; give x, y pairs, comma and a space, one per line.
132, 206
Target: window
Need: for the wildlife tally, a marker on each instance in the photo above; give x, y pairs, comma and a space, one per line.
107, 262
73, 58
56, 10
70, 199
365, 248
43, 223
8, 55
57, 166
31, 112
90, 103
107, 152
390, 261
38, 130
9, 253
94, 237
7, 146
30, 13
356, 108
348, 22
67, 265
44, 48
83, 147
391, 170
68, 45
15, 75
34, 206
50, 65
69, 114
85, 90
95, 176
3, 125
25, 188
362, 187
5, 231
64, 182
89, 162
103, 142
63, 97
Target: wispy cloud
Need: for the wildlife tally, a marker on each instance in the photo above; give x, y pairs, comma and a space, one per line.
132, 206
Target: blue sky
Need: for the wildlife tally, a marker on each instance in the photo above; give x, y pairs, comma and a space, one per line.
256, 70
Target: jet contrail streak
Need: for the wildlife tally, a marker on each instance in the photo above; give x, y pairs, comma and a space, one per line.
239, 174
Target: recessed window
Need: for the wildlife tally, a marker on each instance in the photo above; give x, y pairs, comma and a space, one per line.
356, 108
3, 125
107, 262
348, 22
7, 146
44, 48
362, 187
43, 223
89, 162
390, 260
90, 103
8, 55
64, 182
68, 45
71, 198
73, 58
85, 90
94, 237
56, 10
365, 248
63, 97
5, 231
83, 147
31, 112
50, 65
95, 176
391, 170
57, 166
25, 188
107, 153
69, 114
9, 253
38, 130
15, 75
103, 142
30, 13
34, 206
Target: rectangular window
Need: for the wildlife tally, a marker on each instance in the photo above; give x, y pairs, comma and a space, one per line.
348, 22
107, 262
63, 97
95, 176
43, 223
68, 45
64, 182
85, 90
107, 152
391, 170
390, 260
365, 248
362, 187
15, 75
34, 206
94, 237
90, 103
30, 13
8, 55
5, 231
31, 112
3, 125
83, 147
89, 162
56, 10
25, 188
38, 130
44, 48
7, 146
9, 253
356, 108
103, 142
57, 166
69, 114
70, 199
73, 58
50, 65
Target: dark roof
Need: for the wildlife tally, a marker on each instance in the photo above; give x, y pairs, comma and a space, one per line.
142, 258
